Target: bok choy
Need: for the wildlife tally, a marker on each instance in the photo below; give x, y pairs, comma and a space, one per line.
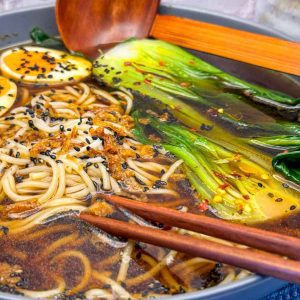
170, 69
234, 187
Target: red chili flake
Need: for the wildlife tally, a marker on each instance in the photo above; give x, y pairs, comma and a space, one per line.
212, 112
191, 62
224, 185
127, 63
194, 129
184, 84
140, 71
219, 175
246, 197
147, 81
162, 63
285, 151
236, 175
203, 206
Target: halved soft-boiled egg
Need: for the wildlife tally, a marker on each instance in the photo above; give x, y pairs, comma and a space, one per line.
43, 66
8, 94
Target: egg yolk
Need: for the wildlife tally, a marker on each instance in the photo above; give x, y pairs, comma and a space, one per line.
4, 86
30, 63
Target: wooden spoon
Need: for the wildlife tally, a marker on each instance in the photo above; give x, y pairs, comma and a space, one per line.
89, 25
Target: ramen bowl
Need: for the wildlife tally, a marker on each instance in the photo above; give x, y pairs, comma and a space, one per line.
15, 30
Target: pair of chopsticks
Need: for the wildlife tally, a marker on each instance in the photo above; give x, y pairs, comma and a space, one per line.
265, 261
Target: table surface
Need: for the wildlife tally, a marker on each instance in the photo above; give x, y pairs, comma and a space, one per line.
283, 15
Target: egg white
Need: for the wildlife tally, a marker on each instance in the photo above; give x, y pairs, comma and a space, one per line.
83, 67
7, 100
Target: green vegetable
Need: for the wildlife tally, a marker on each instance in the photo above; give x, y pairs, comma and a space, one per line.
161, 71
288, 164
282, 142
154, 70
42, 39
231, 183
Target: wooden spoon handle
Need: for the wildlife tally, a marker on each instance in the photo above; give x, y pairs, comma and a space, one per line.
256, 49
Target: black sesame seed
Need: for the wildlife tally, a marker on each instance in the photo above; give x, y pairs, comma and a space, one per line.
76, 149
293, 207
9, 118
19, 179
30, 123
206, 127
158, 184
4, 229
279, 200
106, 286
124, 165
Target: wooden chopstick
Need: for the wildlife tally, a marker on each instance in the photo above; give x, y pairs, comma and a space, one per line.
256, 49
253, 260
253, 237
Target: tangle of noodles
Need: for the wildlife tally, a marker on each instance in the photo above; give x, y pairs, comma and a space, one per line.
72, 143
56, 153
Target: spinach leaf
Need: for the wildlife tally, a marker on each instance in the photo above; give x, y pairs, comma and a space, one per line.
288, 164
42, 39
